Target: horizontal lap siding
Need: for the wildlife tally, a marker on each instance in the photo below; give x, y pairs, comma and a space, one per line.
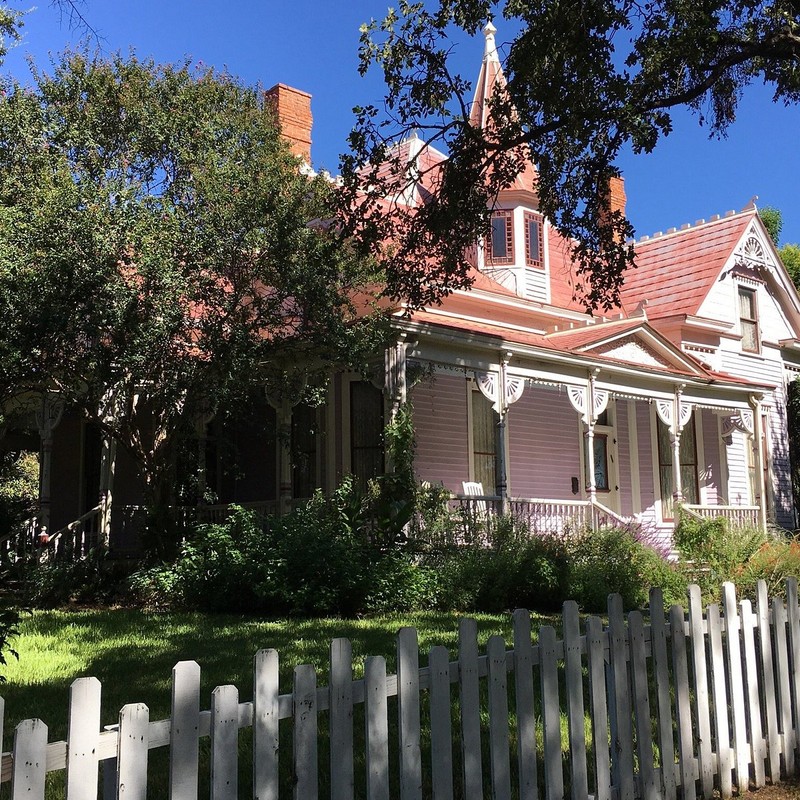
738, 480
647, 486
544, 448
440, 427
624, 458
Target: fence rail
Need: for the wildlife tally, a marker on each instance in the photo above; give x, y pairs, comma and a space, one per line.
681, 705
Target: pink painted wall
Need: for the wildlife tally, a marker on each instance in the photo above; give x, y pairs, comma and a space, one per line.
440, 423
647, 486
544, 445
624, 458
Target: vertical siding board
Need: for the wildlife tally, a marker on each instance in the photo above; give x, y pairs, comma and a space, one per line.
441, 724
783, 694
599, 711
683, 718
377, 728
265, 725
551, 717
341, 720
304, 752
184, 732
573, 672
793, 613
621, 730
469, 697
225, 743
29, 760
701, 697
526, 719
768, 676
83, 730
641, 704
721, 720
758, 747
500, 760
132, 749
733, 654
658, 645
409, 714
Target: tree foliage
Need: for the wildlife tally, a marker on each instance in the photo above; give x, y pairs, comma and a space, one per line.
585, 80
158, 250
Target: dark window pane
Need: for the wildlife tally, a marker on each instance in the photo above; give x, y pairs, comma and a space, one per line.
366, 432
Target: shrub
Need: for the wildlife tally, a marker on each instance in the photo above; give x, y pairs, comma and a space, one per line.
774, 562
19, 488
9, 620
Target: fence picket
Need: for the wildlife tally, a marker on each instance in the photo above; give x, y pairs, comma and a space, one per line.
758, 747
409, 714
658, 644
551, 717
304, 752
184, 733
83, 730
499, 755
734, 662
702, 704
341, 720
573, 673
641, 705
224, 743
768, 675
599, 711
721, 720
621, 730
793, 629
441, 724
377, 724
469, 696
30, 756
2, 724
683, 713
132, 749
265, 724
526, 718
783, 695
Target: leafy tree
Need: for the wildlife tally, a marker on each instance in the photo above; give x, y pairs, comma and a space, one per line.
789, 253
773, 221
584, 81
156, 256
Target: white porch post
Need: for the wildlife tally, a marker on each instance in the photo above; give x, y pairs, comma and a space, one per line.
676, 431
758, 444
395, 384
48, 416
284, 414
108, 463
502, 453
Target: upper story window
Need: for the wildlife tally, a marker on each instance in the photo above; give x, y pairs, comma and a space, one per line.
533, 240
748, 318
501, 250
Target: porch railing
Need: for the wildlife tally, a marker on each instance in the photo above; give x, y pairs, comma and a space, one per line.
19, 542
74, 541
551, 516
737, 516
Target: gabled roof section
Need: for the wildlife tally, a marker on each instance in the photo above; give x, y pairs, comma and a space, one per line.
491, 80
675, 272
631, 341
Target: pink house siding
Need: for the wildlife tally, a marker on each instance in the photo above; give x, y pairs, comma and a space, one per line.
440, 423
710, 471
624, 458
647, 488
544, 448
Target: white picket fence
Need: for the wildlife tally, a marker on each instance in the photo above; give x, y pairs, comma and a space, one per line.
675, 707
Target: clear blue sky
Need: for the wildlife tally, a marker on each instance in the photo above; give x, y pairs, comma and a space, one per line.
312, 44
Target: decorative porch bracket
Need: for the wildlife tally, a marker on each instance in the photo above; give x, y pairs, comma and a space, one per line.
501, 390
48, 415
590, 402
675, 414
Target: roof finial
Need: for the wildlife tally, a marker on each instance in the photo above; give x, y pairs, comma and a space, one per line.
490, 50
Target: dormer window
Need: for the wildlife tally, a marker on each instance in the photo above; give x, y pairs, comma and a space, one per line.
501, 250
533, 240
748, 319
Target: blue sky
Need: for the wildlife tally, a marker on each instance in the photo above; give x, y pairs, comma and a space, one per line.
313, 45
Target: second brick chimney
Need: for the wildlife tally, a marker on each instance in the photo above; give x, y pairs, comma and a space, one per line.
293, 109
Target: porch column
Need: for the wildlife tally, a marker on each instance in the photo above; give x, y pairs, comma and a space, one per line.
502, 453
48, 415
395, 383
677, 428
284, 415
758, 444
108, 463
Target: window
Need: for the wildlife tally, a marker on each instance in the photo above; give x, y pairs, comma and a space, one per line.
533, 240
748, 317
366, 432
306, 438
688, 459
484, 442
501, 250
601, 462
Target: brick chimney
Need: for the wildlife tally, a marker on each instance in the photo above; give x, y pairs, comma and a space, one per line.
616, 194
293, 109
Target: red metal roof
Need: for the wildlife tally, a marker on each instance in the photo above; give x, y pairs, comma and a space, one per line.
675, 272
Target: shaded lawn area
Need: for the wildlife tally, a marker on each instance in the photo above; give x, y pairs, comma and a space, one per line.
132, 654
